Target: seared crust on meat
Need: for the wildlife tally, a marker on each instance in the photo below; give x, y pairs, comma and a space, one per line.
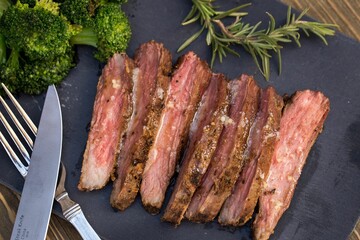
112, 110
239, 207
153, 62
228, 158
204, 134
240, 146
187, 86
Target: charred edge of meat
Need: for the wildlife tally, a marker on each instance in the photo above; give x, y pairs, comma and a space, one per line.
153, 210
228, 159
239, 207
181, 105
121, 66
271, 136
148, 57
204, 133
156, 108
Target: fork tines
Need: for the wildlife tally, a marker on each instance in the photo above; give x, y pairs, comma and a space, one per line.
22, 149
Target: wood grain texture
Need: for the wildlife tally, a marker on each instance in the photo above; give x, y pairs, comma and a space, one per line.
345, 13
9, 202
355, 235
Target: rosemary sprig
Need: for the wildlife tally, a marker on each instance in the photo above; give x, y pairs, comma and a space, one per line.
260, 43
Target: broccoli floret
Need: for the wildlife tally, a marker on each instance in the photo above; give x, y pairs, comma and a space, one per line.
77, 12
39, 32
36, 76
38, 41
111, 32
33, 77
40, 36
95, 4
31, 3
81, 12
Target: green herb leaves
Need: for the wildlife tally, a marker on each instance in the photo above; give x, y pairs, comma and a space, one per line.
260, 43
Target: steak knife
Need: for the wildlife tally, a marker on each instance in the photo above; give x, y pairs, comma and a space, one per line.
36, 202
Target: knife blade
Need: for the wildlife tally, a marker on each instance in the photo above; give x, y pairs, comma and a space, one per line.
36, 202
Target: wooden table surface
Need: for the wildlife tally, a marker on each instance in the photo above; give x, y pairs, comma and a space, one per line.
345, 13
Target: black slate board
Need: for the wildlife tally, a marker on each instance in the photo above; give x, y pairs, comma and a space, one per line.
326, 201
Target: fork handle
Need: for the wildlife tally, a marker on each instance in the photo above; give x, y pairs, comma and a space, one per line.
83, 227
73, 213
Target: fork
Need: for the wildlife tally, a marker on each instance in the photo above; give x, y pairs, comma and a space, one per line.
70, 209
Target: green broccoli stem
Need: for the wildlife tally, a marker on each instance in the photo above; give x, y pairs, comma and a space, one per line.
4, 4
2, 49
13, 61
87, 36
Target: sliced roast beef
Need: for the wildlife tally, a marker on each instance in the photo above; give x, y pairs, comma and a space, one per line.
203, 137
301, 123
228, 159
151, 83
239, 207
112, 109
187, 86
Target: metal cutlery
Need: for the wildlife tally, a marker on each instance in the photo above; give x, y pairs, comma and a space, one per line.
71, 210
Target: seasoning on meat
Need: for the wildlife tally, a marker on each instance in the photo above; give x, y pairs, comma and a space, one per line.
151, 83
239, 207
228, 158
302, 121
111, 112
203, 137
185, 91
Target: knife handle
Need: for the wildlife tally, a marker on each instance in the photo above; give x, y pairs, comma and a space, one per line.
73, 213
